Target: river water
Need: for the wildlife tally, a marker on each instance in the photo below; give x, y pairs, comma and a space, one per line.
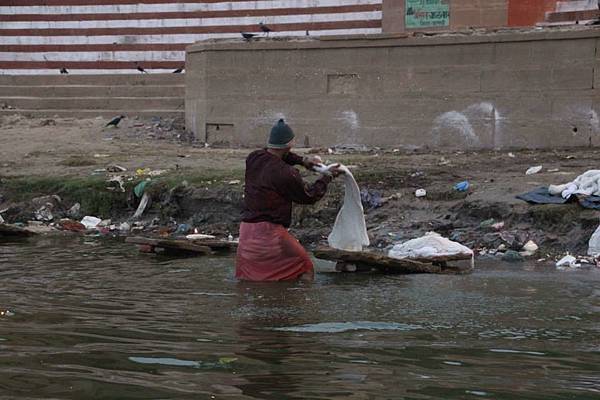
92, 318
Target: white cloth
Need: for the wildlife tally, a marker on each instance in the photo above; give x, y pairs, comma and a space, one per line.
349, 231
586, 184
430, 245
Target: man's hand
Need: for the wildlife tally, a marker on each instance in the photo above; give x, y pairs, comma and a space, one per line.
335, 170
310, 162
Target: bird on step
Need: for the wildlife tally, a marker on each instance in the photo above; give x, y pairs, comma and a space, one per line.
115, 121
139, 68
64, 71
264, 28
248, 36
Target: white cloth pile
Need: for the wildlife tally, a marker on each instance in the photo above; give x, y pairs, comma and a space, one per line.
430, 245
349, 231
587, 184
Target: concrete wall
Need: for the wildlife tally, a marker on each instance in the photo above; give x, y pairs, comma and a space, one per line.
522, 90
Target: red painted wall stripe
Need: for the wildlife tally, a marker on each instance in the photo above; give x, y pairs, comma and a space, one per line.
15, 3
192, 14
89, 64
191, 29
528, 12
37, 48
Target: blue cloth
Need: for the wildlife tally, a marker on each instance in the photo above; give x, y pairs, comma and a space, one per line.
541, 196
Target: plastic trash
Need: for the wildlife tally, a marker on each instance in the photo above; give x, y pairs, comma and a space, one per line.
182, 229
75, 211
568, 261
142, 206
138, 190
44, 213
530, 246
1, 219
533, 170
594, 243
462, 186
90, 222
420, 193
230, 237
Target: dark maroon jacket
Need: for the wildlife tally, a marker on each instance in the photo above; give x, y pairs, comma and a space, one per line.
273, 184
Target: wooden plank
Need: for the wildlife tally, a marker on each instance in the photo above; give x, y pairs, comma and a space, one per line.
169, 244
14, 231
376, 260
384, 263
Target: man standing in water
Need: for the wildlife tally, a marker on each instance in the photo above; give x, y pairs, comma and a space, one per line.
267, 251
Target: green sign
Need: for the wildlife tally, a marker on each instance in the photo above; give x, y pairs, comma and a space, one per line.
427, 13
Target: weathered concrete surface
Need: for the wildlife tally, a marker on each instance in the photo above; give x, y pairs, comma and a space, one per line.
498, 90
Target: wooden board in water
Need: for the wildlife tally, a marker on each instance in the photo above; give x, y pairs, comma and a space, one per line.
379, 261
14, 231
168, 246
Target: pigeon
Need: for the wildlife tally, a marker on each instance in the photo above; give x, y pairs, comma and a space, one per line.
248, 36
115, 121
178, 71
64, 71
264, 28
139, 68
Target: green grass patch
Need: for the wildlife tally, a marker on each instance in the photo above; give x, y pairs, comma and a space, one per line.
77, 161
90, 192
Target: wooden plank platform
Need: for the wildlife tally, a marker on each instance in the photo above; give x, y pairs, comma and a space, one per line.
7, 230
181, 246
366, 260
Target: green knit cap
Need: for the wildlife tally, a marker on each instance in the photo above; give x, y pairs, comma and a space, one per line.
281, 135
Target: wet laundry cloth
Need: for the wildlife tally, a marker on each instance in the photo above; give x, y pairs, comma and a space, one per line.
349, 230
268, 252
586, 184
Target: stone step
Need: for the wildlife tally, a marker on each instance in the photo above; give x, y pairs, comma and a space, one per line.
50, 113
92, 91
96, 80
572, 16
576, 5
125, 104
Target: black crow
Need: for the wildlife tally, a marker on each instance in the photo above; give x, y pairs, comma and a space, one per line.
178, 71
264, 28
115, 121
248, 36
64, 71
139, 68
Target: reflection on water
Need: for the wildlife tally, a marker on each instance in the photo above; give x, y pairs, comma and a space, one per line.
95, 319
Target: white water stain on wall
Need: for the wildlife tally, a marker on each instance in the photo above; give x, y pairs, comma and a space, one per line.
349, 119
478, 125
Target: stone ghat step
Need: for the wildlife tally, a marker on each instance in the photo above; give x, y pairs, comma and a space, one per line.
99, 80
92, 103
92, 91
75, 113
572, 16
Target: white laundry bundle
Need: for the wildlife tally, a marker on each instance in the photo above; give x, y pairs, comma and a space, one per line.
430, 245
587, 184
349, 231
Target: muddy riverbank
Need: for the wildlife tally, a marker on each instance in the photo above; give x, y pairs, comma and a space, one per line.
202, 187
